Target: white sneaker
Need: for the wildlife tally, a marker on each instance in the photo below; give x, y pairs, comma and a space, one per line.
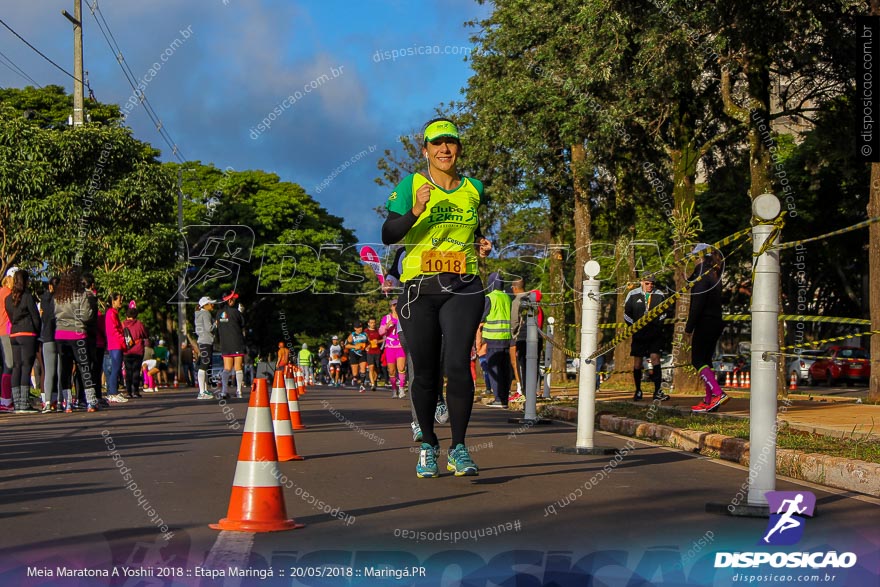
441, 414
117, 399
205, 396
149, 390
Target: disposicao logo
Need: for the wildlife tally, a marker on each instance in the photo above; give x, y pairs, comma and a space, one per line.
789, 510
786, 526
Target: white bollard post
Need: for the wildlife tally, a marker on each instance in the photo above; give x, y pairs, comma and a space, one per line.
762, 396
765, 339
587, 371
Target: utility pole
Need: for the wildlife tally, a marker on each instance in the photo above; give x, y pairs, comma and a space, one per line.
181, 298
78, 89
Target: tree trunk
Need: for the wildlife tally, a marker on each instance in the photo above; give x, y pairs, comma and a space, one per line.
557, 285
582, 238
874, 264
874, 279
624, 270
684, 171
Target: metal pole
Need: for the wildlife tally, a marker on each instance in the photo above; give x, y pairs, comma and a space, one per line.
765, 313
548, 358
530, 417
531, 374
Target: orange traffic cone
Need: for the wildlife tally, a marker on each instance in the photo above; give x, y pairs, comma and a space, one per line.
727, 379
257, 501
792, 385
289, 379
293, 406
300, 381
736, 380
748, 382
284, 441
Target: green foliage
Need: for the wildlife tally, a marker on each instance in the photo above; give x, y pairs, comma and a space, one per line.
298, 273
50, 106
72, 197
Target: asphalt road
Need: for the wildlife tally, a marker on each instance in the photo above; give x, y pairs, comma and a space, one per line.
531, 513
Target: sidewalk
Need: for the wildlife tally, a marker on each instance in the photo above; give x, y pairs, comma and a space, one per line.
839, 417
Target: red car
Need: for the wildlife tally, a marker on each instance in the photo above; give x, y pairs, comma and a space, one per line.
846, 363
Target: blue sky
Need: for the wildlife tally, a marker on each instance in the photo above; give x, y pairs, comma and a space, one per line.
244, 58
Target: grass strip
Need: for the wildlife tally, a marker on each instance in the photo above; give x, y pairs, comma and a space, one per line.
863, 449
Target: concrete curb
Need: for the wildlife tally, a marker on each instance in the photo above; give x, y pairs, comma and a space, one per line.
841, 473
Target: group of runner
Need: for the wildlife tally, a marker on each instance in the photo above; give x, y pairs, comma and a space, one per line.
365, 355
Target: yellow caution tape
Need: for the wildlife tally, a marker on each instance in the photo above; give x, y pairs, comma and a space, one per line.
827, 340
778, 224
862, 224
782, 318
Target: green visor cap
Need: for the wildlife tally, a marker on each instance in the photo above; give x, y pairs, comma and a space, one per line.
441, 128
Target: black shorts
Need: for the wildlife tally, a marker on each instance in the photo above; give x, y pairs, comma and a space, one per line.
643, 346
374, 360
205, 353
356, 358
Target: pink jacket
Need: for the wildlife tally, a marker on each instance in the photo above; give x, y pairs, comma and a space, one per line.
115, 340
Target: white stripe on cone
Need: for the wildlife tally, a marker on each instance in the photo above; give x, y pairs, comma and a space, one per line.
279, 395
257, 474
282, 427
258, 420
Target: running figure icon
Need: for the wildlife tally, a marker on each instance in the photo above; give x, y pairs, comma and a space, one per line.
787, 522
786, 525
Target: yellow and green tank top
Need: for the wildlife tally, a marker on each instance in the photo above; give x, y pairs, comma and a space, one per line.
448, 223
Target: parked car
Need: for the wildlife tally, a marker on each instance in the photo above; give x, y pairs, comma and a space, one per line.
665, 368
800, 365
572, 368
849, 364
722, 365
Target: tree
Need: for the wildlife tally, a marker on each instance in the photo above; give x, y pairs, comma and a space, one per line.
50, 106
293, 264
72, 197
874, 263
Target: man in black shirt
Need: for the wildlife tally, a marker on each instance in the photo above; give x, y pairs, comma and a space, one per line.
648, 340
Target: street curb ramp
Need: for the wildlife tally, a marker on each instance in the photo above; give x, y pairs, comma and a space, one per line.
838, 472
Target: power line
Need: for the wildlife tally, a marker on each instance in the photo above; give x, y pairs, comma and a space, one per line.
130, 76
132, 79
5, 60
41, 54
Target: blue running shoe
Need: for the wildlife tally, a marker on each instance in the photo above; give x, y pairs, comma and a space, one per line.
459, 460
441, 414
427, 465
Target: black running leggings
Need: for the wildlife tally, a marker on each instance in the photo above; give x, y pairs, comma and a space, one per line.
706, 335
24, 352
450, 321
75, 351
133, 373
